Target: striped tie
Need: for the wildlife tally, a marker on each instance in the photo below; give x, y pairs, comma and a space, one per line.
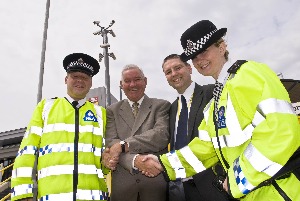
135, 107
181, 136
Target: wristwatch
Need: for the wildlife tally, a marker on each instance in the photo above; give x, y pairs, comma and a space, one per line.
122, 143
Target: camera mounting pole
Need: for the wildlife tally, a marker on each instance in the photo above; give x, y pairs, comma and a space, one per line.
103, 32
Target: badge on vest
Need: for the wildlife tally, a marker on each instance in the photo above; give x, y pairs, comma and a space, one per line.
89, 116
221, 118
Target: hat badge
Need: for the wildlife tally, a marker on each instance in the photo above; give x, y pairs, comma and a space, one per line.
80, 61
189, 45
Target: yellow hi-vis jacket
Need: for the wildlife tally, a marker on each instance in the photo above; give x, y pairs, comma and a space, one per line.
258, 132
69, 144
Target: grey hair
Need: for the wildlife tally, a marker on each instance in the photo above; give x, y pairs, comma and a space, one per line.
129, 67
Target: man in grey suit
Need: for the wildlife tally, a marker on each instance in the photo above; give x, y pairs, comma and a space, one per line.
178, 75
129, 136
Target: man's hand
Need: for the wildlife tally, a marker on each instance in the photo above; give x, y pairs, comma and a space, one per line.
109, 161
148, 165
115, 150
225, 185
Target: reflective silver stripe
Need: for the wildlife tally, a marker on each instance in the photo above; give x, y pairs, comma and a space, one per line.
204, 136
192, 159
27, 150
80, 195
97, 131
21, 189
206, 111
47, 107
89, 195
22, 172
100, 173
237, 135
60, 196
100, 119
67, 169
258, 118
260, 162
222, 140
69, 147
273, 105
33, 129
176, 165
71, 128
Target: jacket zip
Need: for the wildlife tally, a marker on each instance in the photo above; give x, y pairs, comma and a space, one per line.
75, 171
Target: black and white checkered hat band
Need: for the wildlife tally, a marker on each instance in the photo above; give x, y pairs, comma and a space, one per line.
192, 47
81, 64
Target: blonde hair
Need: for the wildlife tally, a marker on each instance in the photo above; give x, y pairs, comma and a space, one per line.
218, 43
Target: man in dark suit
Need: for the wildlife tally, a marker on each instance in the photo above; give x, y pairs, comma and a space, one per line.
128, 136
178, 75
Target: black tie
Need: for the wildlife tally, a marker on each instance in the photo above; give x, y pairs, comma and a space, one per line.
216, 94
181, 136
75, 104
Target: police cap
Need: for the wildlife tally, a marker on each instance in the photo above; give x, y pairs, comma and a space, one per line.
81, 62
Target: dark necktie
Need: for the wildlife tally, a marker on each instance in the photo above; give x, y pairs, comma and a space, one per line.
135, 109
216, 94
75, 104
181, 136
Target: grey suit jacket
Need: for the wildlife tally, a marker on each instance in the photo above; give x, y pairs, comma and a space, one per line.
148, 134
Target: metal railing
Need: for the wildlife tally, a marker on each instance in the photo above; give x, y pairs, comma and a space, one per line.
5, 181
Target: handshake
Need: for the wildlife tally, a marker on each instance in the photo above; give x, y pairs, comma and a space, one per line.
147, 164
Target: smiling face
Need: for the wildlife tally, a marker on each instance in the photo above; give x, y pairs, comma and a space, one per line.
78, 84
210, 61
133, 84
178, 74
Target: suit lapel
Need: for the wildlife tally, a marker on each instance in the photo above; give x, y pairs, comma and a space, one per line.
126, 113
144, 110
196, 102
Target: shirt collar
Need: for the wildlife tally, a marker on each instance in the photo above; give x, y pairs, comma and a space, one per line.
139, 102
223, 74
80, 102
188, 92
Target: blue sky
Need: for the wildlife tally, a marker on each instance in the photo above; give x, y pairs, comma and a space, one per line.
146, 31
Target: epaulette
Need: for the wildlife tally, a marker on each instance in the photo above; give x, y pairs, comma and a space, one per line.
236, 66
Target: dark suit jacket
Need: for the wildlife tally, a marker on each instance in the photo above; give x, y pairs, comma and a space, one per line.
202, 95
149, 133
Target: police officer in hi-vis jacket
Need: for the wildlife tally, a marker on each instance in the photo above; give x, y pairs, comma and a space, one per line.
249, 125
65, 139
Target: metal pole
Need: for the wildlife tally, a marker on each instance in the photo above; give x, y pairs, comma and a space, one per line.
106, 63
40, 86
104, 31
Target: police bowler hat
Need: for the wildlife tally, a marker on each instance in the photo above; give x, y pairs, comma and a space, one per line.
199, 37
81, 62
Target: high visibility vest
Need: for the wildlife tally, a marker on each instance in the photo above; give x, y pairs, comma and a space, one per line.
51, 134
258, 132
